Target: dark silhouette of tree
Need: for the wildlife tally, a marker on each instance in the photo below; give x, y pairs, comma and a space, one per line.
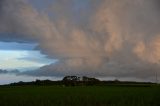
71, 80
74, 80
81, 81
90, 81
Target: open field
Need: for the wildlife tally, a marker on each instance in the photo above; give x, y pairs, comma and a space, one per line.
79, 96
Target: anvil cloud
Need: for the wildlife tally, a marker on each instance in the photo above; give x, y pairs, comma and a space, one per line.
117, 38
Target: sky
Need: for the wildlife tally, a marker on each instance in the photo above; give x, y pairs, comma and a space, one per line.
107, 39
21, 56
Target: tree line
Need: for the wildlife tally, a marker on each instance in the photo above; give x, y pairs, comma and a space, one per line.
81, 81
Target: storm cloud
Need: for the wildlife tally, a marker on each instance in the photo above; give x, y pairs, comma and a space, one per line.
118, 38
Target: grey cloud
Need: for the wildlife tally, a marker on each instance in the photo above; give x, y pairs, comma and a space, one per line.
109, 38
20, 22
3, 71
98, 67
9, 72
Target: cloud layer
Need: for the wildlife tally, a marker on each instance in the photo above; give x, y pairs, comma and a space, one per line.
118, 38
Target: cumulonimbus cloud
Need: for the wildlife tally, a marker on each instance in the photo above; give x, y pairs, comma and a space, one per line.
110, 38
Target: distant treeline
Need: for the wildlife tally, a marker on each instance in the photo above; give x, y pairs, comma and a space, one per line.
81, 81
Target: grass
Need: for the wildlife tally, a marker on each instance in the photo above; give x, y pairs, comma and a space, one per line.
79, 96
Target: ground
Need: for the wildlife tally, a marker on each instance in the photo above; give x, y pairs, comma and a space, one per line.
79, 96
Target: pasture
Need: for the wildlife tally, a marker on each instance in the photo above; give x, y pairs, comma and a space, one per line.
79, 96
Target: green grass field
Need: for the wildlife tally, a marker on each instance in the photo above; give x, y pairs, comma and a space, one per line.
79, 96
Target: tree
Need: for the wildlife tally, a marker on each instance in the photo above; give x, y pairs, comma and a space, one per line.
71, 80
